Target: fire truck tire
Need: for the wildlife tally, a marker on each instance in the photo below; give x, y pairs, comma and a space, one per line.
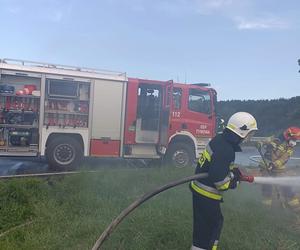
64, 153
180, 155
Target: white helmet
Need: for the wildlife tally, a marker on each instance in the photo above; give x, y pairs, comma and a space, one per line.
242, 123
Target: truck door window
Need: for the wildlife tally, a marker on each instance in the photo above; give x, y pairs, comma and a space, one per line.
177, 95
149, 106
199, 101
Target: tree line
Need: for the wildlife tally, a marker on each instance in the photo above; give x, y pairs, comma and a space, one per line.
272, 116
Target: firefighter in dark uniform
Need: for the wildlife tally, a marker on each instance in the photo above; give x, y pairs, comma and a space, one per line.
217, 160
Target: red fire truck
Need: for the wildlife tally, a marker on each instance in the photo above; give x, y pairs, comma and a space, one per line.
66, 113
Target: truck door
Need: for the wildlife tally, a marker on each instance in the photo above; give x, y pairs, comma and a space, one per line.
147, 112
165, 114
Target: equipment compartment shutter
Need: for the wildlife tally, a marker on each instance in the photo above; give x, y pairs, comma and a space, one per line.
107, 109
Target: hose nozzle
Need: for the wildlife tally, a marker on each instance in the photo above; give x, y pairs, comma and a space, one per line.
247, 178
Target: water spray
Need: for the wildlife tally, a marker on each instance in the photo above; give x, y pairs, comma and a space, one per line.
258, 158
293, 181
280, 181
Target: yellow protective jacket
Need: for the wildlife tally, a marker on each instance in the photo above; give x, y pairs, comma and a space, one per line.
276, 153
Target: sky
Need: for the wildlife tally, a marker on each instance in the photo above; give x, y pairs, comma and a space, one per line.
246, 49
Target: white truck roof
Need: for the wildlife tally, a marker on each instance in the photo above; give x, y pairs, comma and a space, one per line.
56, 69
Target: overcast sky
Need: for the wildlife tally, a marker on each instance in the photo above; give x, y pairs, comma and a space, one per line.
247, 49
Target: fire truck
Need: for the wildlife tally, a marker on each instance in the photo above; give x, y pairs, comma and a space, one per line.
66, 113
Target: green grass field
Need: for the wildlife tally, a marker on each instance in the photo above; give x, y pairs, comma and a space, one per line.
71, 212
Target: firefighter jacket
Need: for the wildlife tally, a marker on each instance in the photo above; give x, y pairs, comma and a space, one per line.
276, 153
216, 160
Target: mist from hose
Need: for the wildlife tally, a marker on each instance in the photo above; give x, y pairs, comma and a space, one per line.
293, 181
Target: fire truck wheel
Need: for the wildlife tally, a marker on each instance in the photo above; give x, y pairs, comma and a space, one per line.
64, 153
180, 155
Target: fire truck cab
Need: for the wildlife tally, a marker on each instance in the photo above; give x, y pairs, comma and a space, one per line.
66, 113
192, 122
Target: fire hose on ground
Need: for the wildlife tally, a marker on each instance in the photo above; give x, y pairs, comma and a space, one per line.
107, 232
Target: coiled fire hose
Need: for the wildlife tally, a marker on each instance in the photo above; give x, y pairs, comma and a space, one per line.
138, 202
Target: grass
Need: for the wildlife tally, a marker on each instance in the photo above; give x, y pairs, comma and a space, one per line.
71, 212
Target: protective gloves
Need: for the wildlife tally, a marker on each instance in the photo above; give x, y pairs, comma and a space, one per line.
235, 178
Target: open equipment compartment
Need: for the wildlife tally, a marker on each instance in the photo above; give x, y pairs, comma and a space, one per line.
19, 114
67, 103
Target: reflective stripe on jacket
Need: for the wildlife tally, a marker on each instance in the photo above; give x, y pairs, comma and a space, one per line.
206, 190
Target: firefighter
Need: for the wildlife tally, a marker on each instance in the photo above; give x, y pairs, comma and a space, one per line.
275, 153
217, 160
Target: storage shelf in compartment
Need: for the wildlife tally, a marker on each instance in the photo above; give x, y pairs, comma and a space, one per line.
20, 96
66, 99
16, 126
63, 126
63, 98
64, 112
20, 111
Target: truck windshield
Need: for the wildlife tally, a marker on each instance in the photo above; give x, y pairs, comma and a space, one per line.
199, 101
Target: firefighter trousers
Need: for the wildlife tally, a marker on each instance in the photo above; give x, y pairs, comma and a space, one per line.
207, 222
285, 194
